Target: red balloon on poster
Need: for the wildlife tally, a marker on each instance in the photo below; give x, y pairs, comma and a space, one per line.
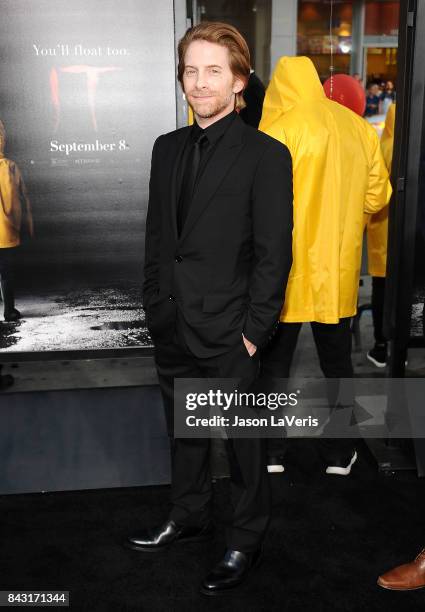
347, 91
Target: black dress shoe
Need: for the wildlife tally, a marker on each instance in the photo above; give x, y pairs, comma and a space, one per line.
230, 572
160, 538
12, 315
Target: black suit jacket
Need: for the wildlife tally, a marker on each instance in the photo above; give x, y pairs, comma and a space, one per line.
227, 272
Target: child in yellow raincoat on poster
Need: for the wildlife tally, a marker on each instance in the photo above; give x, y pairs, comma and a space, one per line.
15, 217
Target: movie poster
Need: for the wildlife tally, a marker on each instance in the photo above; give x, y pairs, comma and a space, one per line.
86, 86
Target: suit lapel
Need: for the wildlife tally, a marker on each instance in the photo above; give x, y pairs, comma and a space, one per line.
223, 158
176, 180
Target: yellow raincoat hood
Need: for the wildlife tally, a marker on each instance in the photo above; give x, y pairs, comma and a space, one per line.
339, 174
15, 209
294, 80
377, 227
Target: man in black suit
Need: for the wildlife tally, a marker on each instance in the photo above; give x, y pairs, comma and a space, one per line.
218, 255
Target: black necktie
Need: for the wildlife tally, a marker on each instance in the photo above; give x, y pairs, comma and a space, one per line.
189, 181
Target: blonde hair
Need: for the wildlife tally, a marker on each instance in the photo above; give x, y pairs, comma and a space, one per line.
225, 35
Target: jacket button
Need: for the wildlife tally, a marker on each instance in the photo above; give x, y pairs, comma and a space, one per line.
178, 259
171, 297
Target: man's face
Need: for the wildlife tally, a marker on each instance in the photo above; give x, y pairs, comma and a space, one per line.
374, 90
208, 82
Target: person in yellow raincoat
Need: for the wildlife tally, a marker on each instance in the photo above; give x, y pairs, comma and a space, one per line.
377, 238
339, 174
15, 218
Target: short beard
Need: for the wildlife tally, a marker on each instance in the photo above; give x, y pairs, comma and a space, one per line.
216, 110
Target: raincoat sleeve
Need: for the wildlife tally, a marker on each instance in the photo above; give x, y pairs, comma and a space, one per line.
152, 235
379, 188
272, 242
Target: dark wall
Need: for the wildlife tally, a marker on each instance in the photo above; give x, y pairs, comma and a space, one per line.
68, 440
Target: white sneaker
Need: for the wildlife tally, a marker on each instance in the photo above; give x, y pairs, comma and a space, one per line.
378, 355
275, 465
341, 467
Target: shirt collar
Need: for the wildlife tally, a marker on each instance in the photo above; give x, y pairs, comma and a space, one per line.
216, 130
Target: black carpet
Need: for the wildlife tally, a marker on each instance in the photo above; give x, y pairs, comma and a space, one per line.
329, 539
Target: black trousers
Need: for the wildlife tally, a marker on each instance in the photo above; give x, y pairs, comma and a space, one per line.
7, 278
333, 344
378, 298
191, 488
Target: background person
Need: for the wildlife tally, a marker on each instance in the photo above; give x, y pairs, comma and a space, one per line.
388, 96
253, 96
377, 242
339, 174
15, 219
409, 576
373, 100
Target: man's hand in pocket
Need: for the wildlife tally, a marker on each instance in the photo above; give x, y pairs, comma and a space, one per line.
251, 348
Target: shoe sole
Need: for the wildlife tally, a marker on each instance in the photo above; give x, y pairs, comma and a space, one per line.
275, 469
379, 364
162, 548
390, 588
342, 471
235, 589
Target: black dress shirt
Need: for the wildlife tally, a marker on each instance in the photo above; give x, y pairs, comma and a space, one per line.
213, 134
